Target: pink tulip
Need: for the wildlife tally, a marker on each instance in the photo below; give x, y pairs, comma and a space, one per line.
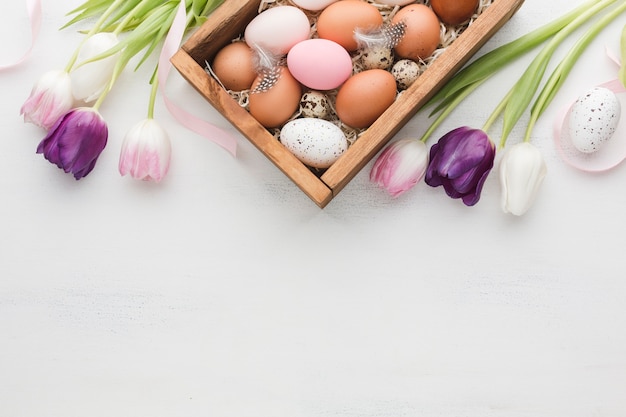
50, 98
146, 151
400, 166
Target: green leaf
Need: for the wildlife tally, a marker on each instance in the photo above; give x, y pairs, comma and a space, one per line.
523, 92
493, 61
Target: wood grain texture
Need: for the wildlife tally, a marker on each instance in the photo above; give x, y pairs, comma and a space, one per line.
229, 21
410, 102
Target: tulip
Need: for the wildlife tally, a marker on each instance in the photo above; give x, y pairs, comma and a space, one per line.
522, 170
90, 78
146, 151
50, 98
400, 166
461, 162
75, 141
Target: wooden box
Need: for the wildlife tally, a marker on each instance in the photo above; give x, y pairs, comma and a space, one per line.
229, 20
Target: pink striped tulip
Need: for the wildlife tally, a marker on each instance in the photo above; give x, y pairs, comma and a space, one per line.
400, 166
146, 152
50, 98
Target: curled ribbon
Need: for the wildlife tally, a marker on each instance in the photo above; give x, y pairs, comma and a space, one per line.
34, 16
170, 46
611, 153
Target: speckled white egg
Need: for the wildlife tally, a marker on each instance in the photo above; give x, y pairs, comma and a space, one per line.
315, 104
317, 143
379, 57
593, 119
405, 72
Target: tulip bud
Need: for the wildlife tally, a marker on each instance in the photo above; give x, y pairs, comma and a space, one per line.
75, 141
90, 79
146, 151
522, 170
50, 98
400, 166
461, 162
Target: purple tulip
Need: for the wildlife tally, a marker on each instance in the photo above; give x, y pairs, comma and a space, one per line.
75, 141
461, 162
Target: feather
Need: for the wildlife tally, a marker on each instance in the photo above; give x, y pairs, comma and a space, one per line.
386, 36
267, 65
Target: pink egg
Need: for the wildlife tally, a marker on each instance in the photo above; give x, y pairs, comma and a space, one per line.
319, 64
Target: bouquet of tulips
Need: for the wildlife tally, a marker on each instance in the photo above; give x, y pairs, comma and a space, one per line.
66, 102
463, 158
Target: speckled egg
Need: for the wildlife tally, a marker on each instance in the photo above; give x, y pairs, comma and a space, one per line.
317, 143
405, 72
378, 57
593, 119
315, 104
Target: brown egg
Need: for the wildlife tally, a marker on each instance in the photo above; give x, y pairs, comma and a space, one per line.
422, 33
275, 106
338, 21
233, 66
454, 12
364, 97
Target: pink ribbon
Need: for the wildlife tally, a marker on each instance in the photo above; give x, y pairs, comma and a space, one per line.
170, 47
610, 154
34, 16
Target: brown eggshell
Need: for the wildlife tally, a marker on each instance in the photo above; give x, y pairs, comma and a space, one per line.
233, 65
338, 21
364, 97
422, 33
454, 12
275, 106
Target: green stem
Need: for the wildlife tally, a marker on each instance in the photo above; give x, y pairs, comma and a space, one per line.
559, 75
122, 25
92, 31
492, 61
497, 111
525, 88
153, 93
449, 108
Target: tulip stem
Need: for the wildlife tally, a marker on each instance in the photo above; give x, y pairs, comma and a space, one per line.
525, 88
122, 25
92, 31
153, 93
459, 97
491, 62
497, 111
561, 72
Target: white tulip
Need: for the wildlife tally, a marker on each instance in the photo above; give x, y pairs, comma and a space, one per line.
146, 152
522, 170
90, 79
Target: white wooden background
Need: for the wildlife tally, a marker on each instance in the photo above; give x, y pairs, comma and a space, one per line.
225, 292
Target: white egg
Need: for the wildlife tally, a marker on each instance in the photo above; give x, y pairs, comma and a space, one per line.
278, 29
313, 5
317, 143
593, 119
